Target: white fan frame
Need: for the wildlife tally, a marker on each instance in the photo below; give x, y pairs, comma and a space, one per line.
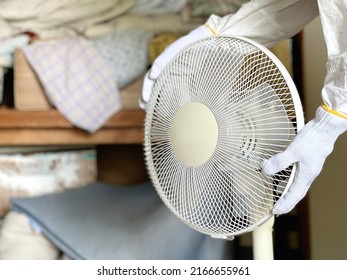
262, 230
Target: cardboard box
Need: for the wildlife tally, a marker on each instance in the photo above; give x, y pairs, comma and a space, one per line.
28, 91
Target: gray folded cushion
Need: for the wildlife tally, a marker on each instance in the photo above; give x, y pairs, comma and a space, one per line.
125, 52
102, 221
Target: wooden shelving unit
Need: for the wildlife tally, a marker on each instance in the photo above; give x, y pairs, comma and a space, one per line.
51, 128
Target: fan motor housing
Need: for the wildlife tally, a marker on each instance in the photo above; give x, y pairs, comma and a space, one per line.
194, 133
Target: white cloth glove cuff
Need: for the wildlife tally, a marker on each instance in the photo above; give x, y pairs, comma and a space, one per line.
329, 121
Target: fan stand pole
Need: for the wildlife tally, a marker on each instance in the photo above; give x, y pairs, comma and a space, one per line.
262, 241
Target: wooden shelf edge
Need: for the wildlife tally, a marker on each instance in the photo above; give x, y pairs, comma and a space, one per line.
56, 136
11, 118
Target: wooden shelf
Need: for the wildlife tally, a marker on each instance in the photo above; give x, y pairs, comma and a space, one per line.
22, 126
51, 128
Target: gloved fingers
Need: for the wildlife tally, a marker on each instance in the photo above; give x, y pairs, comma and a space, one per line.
167, 55
146, 90
278, 162
172, 50
296, 192
286, 203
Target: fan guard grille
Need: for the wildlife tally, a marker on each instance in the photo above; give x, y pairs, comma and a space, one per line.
252, 98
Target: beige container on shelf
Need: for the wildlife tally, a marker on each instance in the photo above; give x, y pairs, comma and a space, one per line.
33, 174
28, 92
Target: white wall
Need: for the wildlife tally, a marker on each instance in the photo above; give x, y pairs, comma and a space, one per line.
328, 194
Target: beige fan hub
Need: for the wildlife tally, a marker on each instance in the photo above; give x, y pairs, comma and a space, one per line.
194, 133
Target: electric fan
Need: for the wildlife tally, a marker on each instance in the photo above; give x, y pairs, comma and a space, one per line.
219, 108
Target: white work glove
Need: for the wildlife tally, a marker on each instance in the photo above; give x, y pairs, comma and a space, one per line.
168, 54
309, 149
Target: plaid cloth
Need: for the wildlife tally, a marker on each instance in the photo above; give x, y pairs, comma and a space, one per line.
76, 79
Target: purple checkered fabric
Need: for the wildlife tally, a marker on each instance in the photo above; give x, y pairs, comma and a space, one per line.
76, 79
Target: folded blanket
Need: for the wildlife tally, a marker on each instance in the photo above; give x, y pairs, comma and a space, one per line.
205, 8
76, 79
126, 53
158, 24
18, 240
56, 18
8, 47
102, 221
158, 6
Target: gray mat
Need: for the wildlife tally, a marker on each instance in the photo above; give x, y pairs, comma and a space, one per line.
101, 221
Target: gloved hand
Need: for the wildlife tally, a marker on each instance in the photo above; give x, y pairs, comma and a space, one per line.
310, 148
168, 54
266, 22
